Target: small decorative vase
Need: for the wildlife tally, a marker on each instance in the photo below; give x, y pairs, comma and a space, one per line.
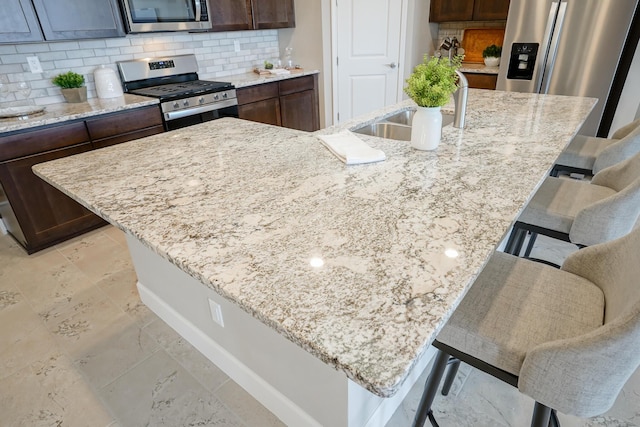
491, 61
76, 94
426, 128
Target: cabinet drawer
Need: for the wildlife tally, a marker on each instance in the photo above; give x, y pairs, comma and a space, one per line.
36, 141
105, 142
297, 84
124, 122
247, 95
482, 81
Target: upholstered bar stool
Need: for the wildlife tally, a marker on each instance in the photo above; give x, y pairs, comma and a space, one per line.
568, 338
580, 212
587, 154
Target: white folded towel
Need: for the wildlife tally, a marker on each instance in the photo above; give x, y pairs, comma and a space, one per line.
351, 149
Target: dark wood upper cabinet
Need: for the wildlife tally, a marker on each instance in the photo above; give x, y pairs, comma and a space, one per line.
230, 15
79, 19
468, 10
273, 14
37, 20
451, 10
490, 10
18, 22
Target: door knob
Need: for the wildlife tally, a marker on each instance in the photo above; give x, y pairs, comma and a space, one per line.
392, 65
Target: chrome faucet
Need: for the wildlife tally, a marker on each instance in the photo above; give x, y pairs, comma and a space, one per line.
453, 50
460, 99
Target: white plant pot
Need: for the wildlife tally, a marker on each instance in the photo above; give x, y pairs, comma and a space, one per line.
426, 128
491, 61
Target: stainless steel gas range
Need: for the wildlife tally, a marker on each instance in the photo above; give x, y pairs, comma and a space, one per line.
184, 99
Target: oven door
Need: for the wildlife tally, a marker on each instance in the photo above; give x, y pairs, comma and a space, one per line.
197, 118
166, 15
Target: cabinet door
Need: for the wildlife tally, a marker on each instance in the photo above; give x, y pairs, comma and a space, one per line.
45, 215
18, 22
273, 14
265, 111
300, 111
490, 10
90, 19
451, 10
230, 15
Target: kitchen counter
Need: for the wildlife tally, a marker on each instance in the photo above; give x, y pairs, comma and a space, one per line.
478, 68
251, 79
359, 266
57, 113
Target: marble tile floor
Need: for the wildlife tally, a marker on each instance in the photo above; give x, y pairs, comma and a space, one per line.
78, 348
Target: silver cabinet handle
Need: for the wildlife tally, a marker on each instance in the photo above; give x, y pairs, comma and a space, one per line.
392, 65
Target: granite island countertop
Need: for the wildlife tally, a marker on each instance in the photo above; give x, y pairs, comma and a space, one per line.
62, 112
243, 207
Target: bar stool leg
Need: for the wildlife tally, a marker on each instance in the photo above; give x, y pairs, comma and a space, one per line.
431, 389
454, 364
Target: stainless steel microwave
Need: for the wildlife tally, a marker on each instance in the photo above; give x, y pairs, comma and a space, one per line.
143, 16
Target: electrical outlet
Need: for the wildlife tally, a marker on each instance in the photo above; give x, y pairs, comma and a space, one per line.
216, 312
34, 64
236, 45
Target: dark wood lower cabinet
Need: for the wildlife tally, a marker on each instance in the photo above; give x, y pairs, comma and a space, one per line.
300, 111
37, 214
45, 215
482, 81
291, 103
265, 111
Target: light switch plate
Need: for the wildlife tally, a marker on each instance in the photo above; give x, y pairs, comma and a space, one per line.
34, 64
216, 312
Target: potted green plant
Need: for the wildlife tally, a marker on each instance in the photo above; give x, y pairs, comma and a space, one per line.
72, 86
430, 86
491, 55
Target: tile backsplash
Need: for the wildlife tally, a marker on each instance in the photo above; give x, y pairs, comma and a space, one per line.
215, 52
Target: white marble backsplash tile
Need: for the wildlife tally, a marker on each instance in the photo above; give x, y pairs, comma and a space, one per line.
215, 53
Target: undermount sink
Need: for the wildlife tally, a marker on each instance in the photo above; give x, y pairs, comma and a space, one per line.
397, 126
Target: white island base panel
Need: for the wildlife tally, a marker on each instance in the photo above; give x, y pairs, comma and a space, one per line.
293, 384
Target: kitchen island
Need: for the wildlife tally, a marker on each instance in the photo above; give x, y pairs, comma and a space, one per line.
318, 286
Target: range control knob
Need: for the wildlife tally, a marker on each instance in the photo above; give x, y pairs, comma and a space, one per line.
176, 105
224, 95
216, 97
201, 100
185, 103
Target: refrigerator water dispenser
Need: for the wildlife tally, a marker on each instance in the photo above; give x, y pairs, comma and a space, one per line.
522, 61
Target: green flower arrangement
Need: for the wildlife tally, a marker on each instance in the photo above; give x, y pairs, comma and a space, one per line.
68, 80
433, 81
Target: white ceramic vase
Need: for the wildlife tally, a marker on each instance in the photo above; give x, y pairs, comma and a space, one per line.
491, 61
426, 128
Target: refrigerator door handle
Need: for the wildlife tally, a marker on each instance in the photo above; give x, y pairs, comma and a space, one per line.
553, 49
544, 48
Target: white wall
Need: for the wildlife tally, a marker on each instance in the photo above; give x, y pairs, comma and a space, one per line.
629, 105
311, 40
215, 53
421, 35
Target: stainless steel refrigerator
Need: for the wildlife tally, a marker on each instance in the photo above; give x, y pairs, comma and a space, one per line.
565, 47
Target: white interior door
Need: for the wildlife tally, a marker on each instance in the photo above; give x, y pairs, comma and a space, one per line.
368, 50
